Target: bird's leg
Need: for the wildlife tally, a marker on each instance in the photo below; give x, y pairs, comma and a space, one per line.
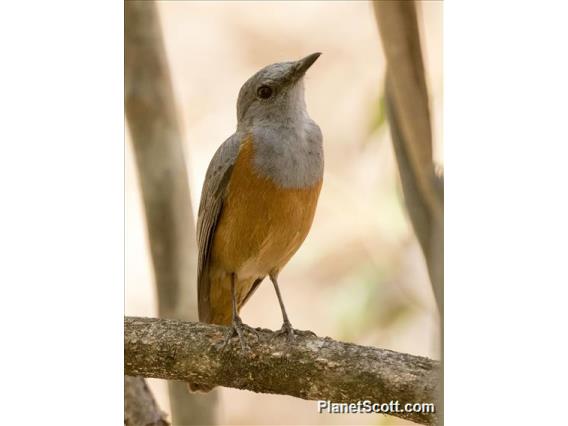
286, 326
237, 326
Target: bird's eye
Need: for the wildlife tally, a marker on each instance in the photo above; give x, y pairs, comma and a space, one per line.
264, 92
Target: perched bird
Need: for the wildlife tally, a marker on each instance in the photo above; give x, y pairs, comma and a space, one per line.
259, 196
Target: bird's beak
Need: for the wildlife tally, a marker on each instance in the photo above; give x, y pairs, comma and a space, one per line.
301, 66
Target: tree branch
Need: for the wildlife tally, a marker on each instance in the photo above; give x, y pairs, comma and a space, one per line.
409, 119
311, 368
140, 408
157, 140
398, 27
158, 147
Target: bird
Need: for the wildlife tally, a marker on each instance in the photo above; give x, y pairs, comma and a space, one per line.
259, 195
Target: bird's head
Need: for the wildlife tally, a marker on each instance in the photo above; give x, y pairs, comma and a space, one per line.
274, 94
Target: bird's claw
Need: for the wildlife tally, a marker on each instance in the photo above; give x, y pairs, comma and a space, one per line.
237, 329
287, 330
291, 332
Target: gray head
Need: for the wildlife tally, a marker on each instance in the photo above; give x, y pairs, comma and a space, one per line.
275, 93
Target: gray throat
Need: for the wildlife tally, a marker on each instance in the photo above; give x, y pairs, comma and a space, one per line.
290, 153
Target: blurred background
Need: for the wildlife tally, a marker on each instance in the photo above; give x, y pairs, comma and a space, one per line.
360, 275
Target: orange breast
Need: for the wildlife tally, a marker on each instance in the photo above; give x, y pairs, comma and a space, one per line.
262, 224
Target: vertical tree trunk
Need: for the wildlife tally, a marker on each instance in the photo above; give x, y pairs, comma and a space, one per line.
409, 121
158, 147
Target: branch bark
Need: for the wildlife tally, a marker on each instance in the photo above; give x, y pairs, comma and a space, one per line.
311, 368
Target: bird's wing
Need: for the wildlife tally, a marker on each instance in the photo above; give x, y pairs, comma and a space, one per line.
212, 197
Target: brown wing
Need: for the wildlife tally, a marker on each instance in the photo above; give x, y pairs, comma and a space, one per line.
210, 208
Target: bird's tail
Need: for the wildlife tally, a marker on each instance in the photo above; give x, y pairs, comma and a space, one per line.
220, 312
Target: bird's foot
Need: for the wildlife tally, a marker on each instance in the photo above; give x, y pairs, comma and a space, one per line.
237, 329
291, 332
287, 330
